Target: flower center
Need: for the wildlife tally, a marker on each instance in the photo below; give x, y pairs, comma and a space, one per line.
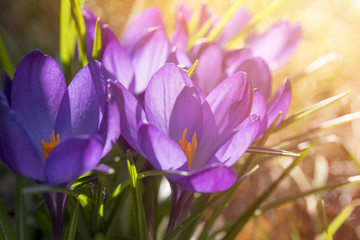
49, 146
189, 148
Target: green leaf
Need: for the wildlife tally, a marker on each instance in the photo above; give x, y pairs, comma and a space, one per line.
84, 200
67, 33
237, 226
138, 207
97, 41
20, 207
7, 230
338, 221
5, 60
80, 31
71, 228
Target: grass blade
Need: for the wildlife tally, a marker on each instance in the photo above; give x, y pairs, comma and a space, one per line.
71, 228
5, 60
7, 230
271, 151
97, 41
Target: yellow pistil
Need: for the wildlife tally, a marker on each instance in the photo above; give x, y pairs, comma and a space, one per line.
189, 148
49, 146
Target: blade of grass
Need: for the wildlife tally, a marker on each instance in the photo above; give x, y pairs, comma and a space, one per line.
7, 230
71, 228
138, 207
97, 41
5, 60
271, 151
20, 207
243, 219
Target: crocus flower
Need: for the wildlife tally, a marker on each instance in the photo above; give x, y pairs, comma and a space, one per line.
180, 129
54, 134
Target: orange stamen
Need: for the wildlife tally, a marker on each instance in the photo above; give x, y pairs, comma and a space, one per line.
49, 146
189, 148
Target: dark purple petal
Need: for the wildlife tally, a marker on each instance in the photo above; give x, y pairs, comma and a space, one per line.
259, 73
279, 103
37, 90
161, 94
7, 83
277, 44
73, 158
162, 152
148, 55
131, 114
16, 148
210, 179
236, 24
84, 103
150, 18
110, 125
115, 59
236, 146
210, 68
186, 114
230, 102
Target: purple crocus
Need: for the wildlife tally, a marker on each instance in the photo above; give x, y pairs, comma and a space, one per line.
53, 133
180, 129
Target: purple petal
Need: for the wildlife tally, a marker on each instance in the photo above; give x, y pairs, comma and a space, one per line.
148, 55
160, 150
179, 58
161, 94
209, 69
186, 114
234, 58
259, 108
279, 103
237, 145
259, 73
90, 21
73, 158
37, 90
16, 148
150, 18
110, 126
84, 103
131, 114
230, 102
180, 36
283, 39
115, 59
211, 179
236, 24
6, 83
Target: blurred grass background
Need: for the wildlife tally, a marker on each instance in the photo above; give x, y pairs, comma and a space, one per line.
329, 26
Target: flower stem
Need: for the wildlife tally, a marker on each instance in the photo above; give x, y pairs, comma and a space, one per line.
56, 203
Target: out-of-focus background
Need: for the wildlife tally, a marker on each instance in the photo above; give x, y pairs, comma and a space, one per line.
331, 28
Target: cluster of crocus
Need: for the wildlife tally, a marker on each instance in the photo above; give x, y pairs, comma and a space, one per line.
53, 133
181, 118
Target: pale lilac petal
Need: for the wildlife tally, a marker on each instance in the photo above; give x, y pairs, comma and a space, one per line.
73, 158
230, 102
150, 18
236, 24
148, 55
279, 103
115, 59
131, 114
162, 152
7, 83
259, 73
161, 95
180, 36
180, 59
16, 148
259, 108
277, 44
84, 104
210, 179
37, 90
234, 58
210, 68
239, 142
